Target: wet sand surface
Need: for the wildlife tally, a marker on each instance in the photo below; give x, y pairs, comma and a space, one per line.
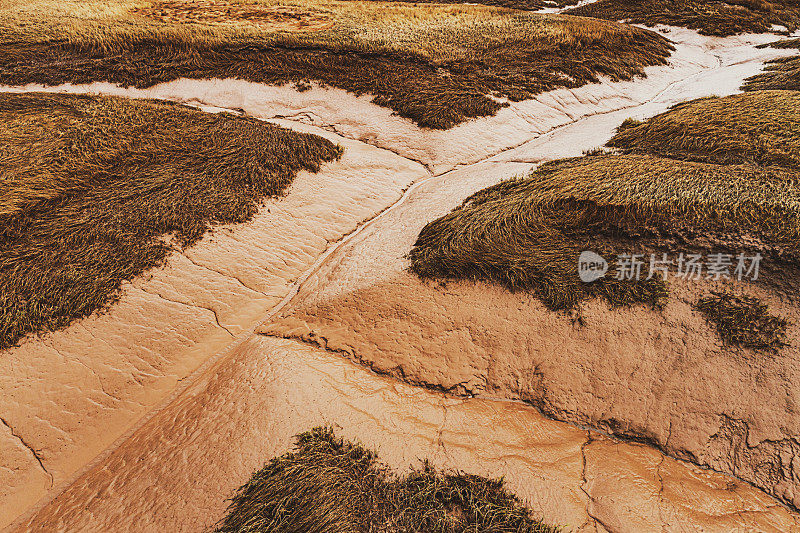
174, 473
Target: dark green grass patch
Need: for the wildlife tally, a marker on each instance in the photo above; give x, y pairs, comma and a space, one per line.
761, 127
92, 186
709, 17
744, 321
329, 485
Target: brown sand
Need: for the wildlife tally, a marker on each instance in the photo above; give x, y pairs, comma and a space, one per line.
174, 473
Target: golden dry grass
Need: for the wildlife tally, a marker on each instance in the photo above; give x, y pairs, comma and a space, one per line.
329, 485
436, 32
528, 233
523, 5
90, 188
761, 127
713, 174
709, 17
436, 64
778, 74
275, 18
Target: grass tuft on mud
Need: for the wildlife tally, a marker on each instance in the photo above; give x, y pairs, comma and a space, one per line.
778, 74
328, 484
95, 188
709, 17
760, 128
744, 321
437, 65
528, 233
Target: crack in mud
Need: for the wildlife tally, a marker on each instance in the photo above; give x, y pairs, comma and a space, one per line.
769, 452
223, 274
187, 304
585, 482
30, 449
91, 370
661, 491
440, 429
317, 341
769, 462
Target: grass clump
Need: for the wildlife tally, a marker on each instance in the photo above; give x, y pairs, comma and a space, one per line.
708, 176
744, 321
94, 187
436, 64
329, 485
528, 233
761, 128
709, 17
782, 44
778, 74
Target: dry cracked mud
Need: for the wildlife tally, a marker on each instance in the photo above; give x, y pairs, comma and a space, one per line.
170, 474
100, 422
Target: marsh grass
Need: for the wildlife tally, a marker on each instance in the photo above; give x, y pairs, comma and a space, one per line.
523, 5
438, 65
280, 18
760, 128
778, 74
782, 44
527, 233
744, 321
92, 188
709, 17
330, 485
